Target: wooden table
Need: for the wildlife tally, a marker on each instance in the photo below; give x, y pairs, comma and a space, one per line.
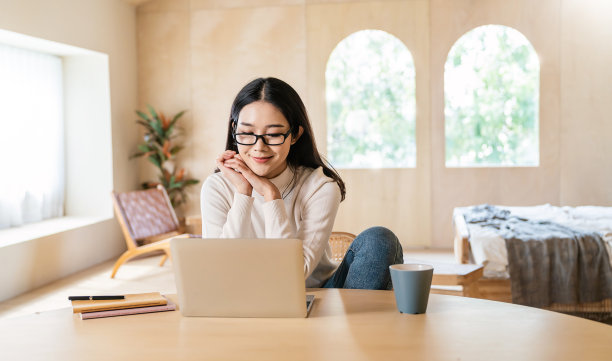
343, 325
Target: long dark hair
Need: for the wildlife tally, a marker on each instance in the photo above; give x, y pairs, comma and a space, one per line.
280, 94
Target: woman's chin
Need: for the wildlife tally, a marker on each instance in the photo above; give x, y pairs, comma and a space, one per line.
260, 170
266, 171
263, 174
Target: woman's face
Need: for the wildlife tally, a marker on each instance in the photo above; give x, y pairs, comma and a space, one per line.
264, 118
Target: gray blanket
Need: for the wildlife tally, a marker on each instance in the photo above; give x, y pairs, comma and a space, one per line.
548, 262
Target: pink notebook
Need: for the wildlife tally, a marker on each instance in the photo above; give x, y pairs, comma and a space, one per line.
129, 311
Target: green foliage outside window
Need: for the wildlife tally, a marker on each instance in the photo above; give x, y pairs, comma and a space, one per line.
370, 93
491, 86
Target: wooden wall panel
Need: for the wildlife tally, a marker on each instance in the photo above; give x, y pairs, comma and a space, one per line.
216, 47
396, 198
586, 83
452, 187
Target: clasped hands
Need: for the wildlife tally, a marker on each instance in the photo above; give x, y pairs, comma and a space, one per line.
243, 178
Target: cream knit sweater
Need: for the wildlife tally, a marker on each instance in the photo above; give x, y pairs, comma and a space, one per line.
307, 212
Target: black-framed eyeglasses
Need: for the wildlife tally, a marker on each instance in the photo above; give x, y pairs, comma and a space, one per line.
268, 139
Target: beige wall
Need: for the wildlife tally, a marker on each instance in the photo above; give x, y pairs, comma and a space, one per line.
395, 198
106, 26
197, 54
452, 187
586, 103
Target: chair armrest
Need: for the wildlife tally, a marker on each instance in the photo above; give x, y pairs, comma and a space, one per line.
160, 237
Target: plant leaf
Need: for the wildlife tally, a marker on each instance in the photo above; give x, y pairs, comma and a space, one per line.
161, 156
146, 125
166, 149
144, 147
178, 115
149, 184
153, 112
158, 131
136, 155
142, 115
176, 149
175, 119
153, 159
154, 146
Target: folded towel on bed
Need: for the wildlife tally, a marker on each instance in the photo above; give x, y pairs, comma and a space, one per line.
549, 262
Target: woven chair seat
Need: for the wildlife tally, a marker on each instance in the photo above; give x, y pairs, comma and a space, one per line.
148, 222
339, 243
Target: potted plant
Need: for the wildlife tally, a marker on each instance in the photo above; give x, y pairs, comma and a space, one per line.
160, 148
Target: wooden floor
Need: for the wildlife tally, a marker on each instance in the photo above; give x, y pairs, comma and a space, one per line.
138, 276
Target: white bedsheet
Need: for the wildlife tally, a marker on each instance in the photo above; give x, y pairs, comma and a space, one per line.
489, 249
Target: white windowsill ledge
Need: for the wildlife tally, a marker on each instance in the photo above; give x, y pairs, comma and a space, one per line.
27, 232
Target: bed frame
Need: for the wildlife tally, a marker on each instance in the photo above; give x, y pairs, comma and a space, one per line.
496, 289
499, 289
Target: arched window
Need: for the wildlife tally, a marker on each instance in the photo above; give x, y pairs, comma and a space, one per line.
491, 92
370, 94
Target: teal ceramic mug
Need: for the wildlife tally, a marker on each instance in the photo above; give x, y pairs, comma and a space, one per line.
411, 285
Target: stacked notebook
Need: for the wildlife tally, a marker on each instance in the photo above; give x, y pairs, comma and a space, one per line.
132, 304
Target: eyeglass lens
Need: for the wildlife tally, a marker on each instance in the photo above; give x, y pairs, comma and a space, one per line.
268, 139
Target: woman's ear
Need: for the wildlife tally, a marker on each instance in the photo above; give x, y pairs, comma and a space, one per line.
299, 134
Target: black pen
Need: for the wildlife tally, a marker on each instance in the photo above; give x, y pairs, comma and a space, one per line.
84, 298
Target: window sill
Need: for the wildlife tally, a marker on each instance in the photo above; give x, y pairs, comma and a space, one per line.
15, 235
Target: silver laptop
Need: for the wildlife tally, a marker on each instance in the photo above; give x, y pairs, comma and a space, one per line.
240, 277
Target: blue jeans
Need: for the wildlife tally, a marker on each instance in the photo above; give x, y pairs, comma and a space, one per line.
366, 263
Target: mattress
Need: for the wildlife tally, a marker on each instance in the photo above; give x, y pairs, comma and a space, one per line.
489, 249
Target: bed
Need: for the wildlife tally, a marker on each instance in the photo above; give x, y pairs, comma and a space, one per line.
480, 243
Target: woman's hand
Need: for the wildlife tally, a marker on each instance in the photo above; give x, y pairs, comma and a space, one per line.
261, 185
238, 180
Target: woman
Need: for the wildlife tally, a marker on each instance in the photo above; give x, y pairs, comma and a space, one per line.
272, 183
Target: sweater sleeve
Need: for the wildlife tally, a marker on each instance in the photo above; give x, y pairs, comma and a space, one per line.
224, 216
316, 224
277, 223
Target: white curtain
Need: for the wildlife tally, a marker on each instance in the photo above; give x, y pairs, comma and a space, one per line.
31, 137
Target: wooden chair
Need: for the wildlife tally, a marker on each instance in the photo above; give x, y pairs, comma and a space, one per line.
340, 242
148, 223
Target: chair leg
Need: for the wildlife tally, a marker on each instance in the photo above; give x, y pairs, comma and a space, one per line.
124, 257
167, 255
163, 260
